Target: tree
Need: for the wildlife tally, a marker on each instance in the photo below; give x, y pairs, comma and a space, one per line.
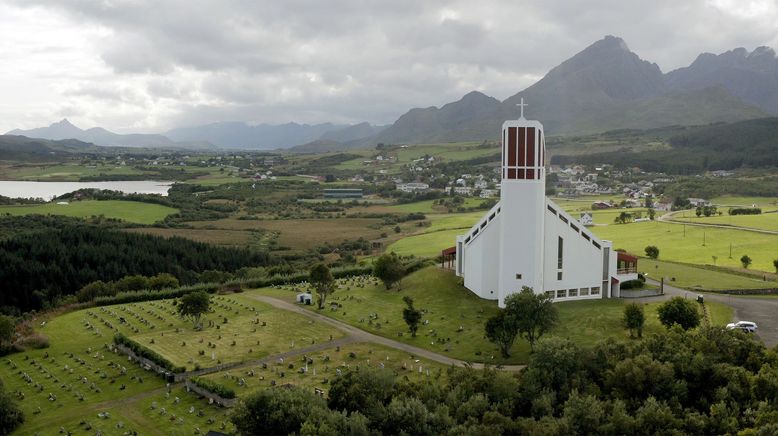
502, 329
163, 281
93, 290
535, 313
652, 251
10, 414
634, 318
276, 411
389, 270
131, 283
651, 214
7, 328
775, 265
321, 279
681, 311
698, 211
745, 261
193, 305
411, 315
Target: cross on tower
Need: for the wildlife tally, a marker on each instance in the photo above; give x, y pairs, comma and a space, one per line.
521, 105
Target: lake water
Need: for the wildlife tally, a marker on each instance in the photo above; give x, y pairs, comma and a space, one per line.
49, 190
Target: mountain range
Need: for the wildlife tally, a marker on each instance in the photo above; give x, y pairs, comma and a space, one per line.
604, 87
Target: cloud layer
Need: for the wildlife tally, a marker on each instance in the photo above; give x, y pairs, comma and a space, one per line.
144, 65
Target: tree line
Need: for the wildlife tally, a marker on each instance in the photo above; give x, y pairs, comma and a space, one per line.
39, 268
703, 381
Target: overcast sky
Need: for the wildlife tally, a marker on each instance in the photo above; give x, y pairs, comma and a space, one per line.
149, 65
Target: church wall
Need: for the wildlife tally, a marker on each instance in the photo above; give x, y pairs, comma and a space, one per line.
481, 262
582, 261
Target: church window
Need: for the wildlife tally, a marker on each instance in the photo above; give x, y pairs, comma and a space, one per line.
564, 220
585, 236
596, 244
596, 290
572, 292
518, 276
584, 292
559, 253
550, 294
551, 209
574, 227
562, 293
559, 275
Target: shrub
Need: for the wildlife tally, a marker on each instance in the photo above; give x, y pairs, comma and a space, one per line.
681, 311
632, 284
34, 341
652, 251
213, 387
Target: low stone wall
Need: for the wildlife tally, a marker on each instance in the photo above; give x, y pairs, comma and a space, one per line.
639, 293
213, 398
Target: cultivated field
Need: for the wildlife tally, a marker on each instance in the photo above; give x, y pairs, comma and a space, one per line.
131, 211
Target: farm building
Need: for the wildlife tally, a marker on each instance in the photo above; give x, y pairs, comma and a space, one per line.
527, 240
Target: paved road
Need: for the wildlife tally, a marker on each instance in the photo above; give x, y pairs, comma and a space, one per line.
762, 311
363, 336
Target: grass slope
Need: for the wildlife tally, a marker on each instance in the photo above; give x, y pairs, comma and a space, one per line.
449, 306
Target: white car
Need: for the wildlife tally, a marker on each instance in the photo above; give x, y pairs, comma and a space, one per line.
746, 326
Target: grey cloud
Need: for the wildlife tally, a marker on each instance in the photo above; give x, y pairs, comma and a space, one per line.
354, 60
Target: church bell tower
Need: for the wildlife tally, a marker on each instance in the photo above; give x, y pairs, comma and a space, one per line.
522, 198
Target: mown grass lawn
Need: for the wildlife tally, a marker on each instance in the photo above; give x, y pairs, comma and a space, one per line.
241, 338
131, 211
454, 317
764, 221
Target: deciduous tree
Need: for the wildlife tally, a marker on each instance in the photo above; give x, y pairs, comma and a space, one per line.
652, 251
389, 269
634, 318
193, 305
745, 260
321, 279
411, 315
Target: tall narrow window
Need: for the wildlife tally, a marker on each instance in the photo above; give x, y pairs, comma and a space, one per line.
559, 254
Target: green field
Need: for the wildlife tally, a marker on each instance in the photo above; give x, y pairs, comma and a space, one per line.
763, 221
732, 200
454, 316
681, 243
691, 277
64, 172
427, 206
131, 211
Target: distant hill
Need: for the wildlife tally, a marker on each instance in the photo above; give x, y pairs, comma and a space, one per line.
753, 77
696, 107
97, 135
352, 133
22, 148
719, 146
605, 86
259, 137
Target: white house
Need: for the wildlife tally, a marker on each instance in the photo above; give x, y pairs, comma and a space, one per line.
586, 219
527, 240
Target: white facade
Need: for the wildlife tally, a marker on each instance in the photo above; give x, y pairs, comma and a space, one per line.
527, 240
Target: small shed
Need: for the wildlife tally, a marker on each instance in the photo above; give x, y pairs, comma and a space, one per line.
305, 298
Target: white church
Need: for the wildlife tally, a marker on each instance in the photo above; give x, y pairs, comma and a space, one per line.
527, 240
